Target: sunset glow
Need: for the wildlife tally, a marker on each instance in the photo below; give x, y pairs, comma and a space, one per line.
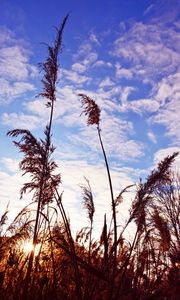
27, 247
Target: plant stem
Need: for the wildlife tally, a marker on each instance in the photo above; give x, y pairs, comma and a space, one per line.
72, 246
113, 209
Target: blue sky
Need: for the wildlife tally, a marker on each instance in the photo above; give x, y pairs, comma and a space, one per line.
124, 54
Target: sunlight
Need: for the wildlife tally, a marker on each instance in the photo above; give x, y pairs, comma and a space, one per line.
27, 247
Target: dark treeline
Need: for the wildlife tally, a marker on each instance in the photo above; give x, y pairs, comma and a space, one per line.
62, 267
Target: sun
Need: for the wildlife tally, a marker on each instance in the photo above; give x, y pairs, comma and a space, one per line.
27, 247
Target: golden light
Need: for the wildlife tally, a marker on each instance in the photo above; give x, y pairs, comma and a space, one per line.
27, 247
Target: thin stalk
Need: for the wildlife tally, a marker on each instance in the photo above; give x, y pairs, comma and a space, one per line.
113, 209
87, 283
125, 265
90, 241
50, 68
42, 182
52, 258
72, 246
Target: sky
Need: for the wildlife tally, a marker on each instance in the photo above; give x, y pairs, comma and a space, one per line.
125, 55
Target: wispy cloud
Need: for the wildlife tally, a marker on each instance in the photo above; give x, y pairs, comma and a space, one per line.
21, 120
149, 9
86, 54
14, 63
102, 63
141, 106
152, 53
123, 72
16, 71
78, 67
10, 164
11, 90
9, 193
93, 38
151, 49
107, 82
168, 95
152, 137
74, 76
116, 135
73, 173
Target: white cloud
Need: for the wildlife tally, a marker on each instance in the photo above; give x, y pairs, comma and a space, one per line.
107, 82
9, 193
90, 59
13, 62
168, 94
11, 164
168, 116
9, 91
69, 111
107, 99
168, 88
73, 173
115, 135
6, 36
86, 55
21, 120
14, 57
37, 107
149, 9
123, 72
141, 106
73, 76
16, 71
151, 49
102, 63
78, 67
93, 38
125, 92
152, 137
66, 110
84, 49
163, 105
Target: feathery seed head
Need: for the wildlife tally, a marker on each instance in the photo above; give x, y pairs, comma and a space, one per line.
91, 109
88, 199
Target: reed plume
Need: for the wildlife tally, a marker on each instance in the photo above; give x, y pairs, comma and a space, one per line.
92, 111
88, 199
37, 154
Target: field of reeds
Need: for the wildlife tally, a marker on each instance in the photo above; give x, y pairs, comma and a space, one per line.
60, 266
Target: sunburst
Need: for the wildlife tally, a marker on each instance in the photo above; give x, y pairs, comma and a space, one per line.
27, 247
